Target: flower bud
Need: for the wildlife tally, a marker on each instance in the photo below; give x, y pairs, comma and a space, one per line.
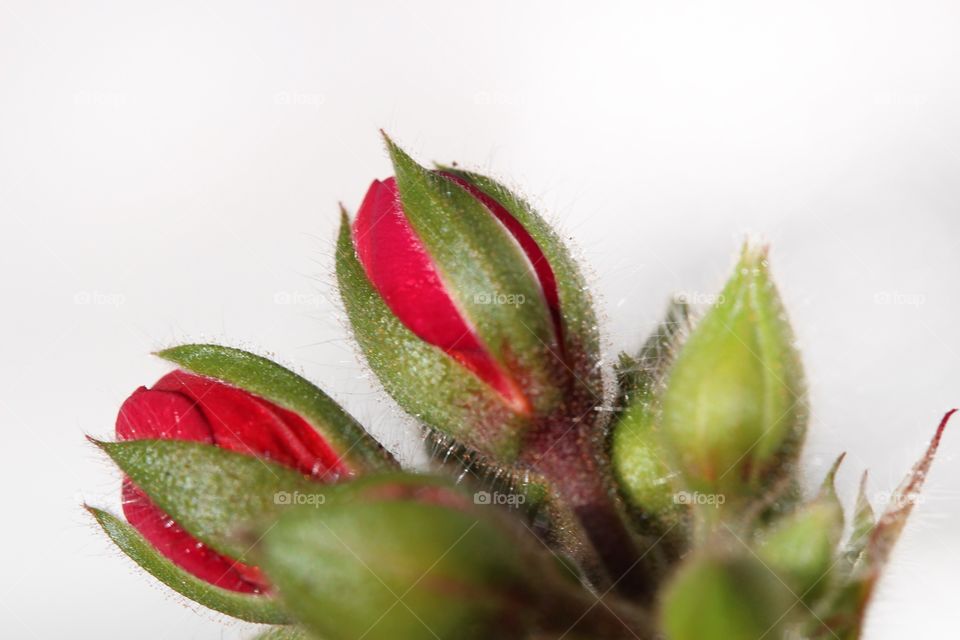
721, 597
467, 306
734, 414
801, 547
288, 422
404, 569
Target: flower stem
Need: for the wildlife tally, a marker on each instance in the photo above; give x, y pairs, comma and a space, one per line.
567, 460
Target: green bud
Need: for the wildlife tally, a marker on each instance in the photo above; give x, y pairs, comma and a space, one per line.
716, 597
801, 547
734, 407
401, 570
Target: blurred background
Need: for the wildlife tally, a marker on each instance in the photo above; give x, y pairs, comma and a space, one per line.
170, 172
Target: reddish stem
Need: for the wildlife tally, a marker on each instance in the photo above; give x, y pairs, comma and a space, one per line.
565, 456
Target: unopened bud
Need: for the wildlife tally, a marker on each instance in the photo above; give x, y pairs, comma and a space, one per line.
734, 408
801, 547
715, 597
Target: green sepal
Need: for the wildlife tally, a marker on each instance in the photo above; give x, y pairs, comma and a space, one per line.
734, 408
639, 461
253, 608
478, 259
208, 491
458, 403
720, 597
801, 547
657, 511
841, 614
277, 384
399, 570
580, 326
640, 466
863, 523
640, 374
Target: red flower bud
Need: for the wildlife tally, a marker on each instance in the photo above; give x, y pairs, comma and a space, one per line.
400, 268
469, 308
182, 406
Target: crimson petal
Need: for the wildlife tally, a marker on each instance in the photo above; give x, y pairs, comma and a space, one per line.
401, 270
182, 406
184, 550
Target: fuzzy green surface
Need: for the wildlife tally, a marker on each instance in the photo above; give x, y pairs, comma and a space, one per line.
210, 492
639, 462
581, 329
720, 598
289, 390
397, 571
245, 607
734, 407
801, 549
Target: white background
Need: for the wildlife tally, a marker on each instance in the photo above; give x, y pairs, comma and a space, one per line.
170, 172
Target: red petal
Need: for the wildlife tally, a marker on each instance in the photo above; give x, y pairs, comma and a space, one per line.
183, 549
181, 406
401, 270
161, 414
242, 422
